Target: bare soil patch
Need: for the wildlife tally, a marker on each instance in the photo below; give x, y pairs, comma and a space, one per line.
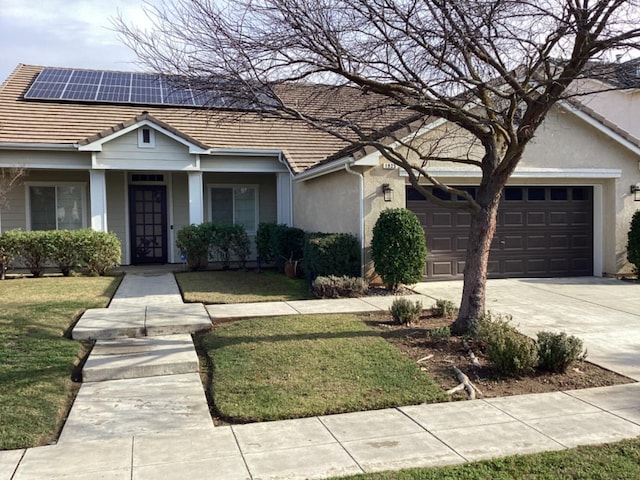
445, 353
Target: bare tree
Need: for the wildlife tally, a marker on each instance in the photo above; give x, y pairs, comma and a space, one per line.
8, 179
489, 70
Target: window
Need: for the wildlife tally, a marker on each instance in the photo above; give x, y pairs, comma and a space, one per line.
56, 207
146, 138
235, 204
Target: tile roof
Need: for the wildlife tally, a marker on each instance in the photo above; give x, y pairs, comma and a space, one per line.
52, 122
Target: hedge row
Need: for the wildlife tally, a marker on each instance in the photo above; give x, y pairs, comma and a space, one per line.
208, 240
322, 254
67, 249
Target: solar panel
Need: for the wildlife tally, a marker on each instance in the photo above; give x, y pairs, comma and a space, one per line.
136, 88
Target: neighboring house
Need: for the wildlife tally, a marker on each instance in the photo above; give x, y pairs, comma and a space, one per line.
144, 171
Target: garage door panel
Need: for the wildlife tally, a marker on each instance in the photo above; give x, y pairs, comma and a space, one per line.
441, 219
442, 268
536, 242
541, 232
514, 267
536, 219
513, 219
559, 218
441, 244
463, 219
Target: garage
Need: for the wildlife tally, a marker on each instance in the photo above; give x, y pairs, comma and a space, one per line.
542, 231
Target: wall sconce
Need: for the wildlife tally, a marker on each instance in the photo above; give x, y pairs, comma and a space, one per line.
387, 192
635, 191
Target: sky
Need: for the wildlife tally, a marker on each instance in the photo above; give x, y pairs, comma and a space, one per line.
66, 33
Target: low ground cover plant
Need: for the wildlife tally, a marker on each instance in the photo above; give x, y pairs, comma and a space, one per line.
556, 351
510, 352
339, 287
404, 311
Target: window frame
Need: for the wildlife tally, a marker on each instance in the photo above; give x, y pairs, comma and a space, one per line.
233, 187
83, 199
152, 137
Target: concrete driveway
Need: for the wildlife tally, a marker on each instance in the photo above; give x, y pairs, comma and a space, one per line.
603, 312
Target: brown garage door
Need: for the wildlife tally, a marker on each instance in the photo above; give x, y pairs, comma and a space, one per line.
541, 232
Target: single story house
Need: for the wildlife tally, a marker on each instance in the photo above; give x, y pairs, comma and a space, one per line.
104, 150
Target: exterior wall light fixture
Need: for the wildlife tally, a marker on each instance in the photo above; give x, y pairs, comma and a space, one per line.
387, 192
635, 191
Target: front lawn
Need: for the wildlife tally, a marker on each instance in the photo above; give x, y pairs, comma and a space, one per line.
301, 366
36, 361
233, 286
615, 461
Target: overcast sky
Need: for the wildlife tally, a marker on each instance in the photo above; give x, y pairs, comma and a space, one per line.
65, 33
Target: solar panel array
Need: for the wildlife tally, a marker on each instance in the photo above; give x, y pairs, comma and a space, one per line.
123, 87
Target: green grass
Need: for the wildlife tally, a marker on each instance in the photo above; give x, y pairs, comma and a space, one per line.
615, 461
36, 361
300, 366
240, 287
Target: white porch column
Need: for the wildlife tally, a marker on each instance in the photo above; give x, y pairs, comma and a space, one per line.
196, 198
284, 190
98, 189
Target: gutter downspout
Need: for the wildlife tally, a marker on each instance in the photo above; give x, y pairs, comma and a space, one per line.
360, 176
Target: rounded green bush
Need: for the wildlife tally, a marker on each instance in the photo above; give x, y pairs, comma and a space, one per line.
398, 247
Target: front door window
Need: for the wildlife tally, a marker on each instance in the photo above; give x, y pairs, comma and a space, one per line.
148, 218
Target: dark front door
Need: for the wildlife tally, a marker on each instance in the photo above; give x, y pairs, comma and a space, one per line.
148, 223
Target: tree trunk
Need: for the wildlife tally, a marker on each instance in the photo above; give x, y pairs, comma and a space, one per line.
482, 230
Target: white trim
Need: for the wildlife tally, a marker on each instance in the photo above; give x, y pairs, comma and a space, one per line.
530, 173
98, 193
38, 146
323, 169
258, 152
83, 197
152, 138
598, 230
97, 145
170, 232
196, 198
127, 220
601, 127
233, 186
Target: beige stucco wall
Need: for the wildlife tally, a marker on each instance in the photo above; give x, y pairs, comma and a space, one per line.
328, 204
617, 106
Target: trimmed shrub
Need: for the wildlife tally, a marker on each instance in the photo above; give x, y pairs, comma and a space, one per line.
194, 242
445, 309
335, 287
287, 243
101, 251
265, 241
66, 250
7, 252
229, 239
510, 352
331, 254
556, 351
404, 311
398, 247
633, 242
34, 248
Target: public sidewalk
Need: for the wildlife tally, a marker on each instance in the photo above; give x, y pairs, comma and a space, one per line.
142, 412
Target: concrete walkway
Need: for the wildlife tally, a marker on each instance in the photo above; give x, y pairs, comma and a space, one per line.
142, 413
